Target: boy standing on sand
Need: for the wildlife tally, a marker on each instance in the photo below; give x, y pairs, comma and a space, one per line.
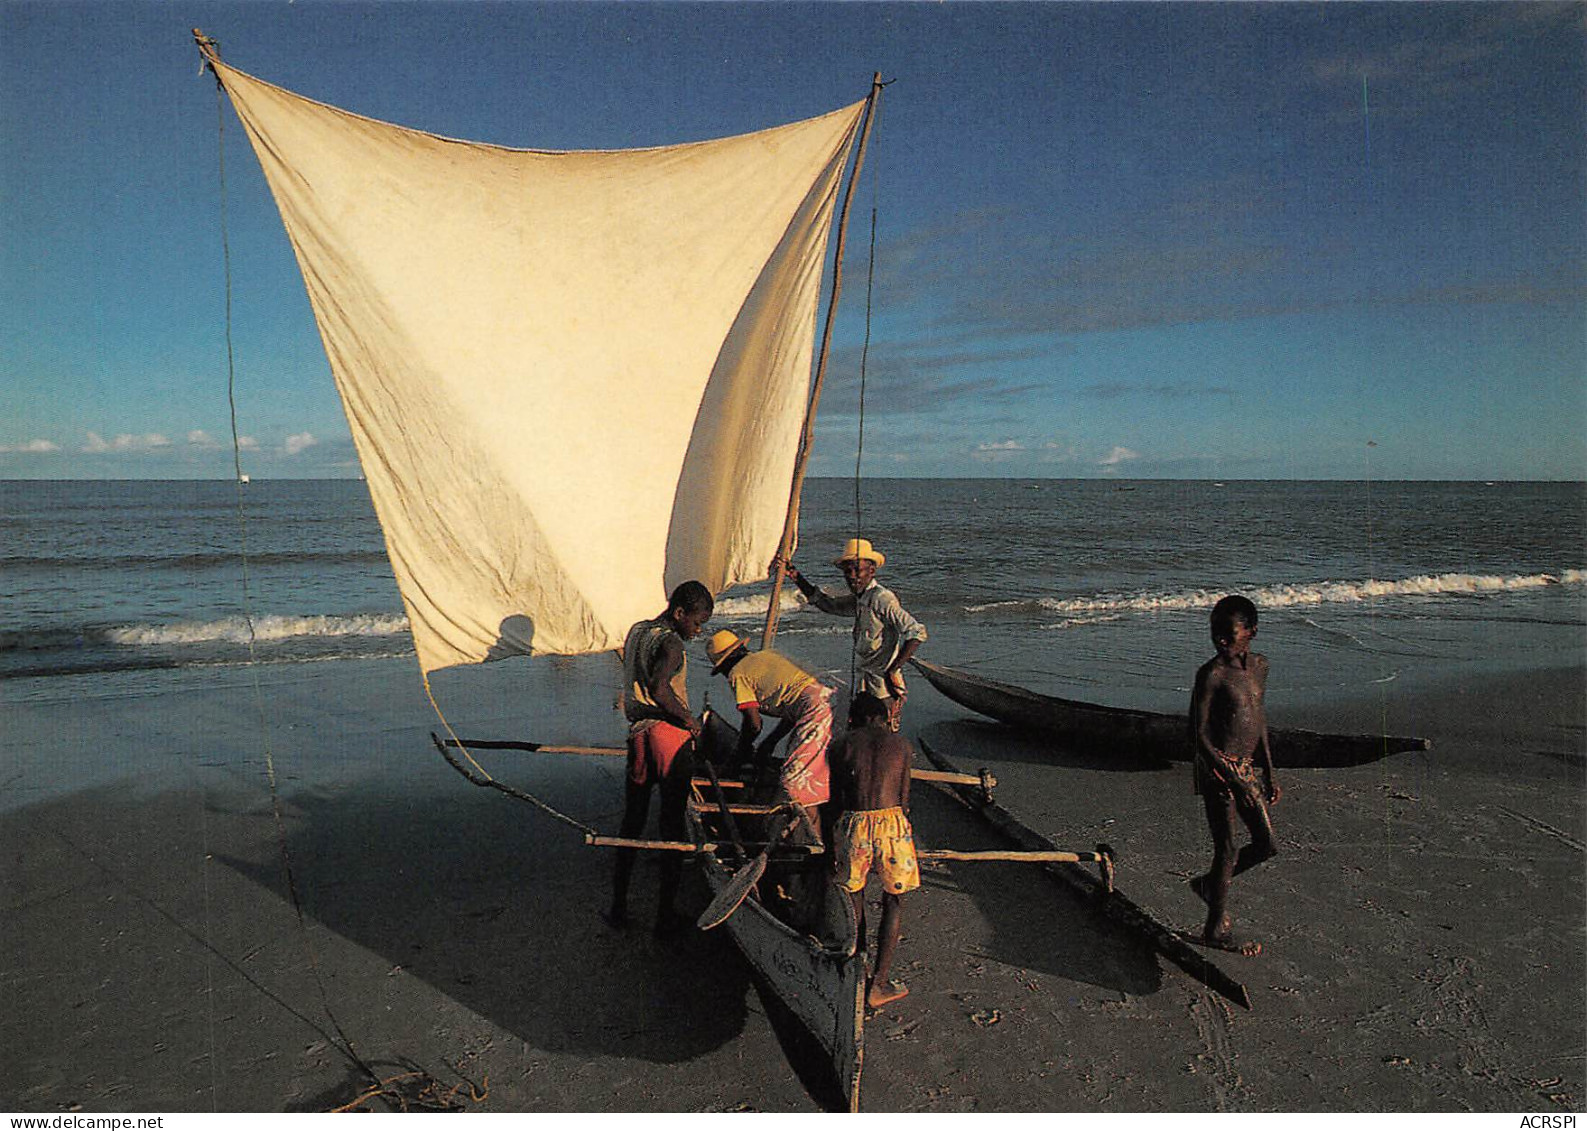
870, 783
885, 635
1228, 725
661, 734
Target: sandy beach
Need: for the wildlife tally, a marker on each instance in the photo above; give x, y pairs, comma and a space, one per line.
1423, 928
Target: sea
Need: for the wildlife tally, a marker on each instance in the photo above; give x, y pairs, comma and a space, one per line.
1094, 589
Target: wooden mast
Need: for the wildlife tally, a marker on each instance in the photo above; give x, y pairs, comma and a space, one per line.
208, 48
791, 522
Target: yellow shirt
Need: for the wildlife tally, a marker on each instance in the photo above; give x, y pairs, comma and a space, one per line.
769, 681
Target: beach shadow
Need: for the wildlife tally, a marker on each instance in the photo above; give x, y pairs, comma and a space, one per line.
1004, 743
1037, 923
496, 908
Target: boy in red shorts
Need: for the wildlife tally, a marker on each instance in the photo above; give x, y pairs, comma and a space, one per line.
661, 734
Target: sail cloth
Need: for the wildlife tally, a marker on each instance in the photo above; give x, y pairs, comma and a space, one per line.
574, 379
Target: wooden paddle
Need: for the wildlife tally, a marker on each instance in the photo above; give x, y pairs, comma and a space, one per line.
735, 891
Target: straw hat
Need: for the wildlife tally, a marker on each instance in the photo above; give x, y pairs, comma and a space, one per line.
860, 550
721, 646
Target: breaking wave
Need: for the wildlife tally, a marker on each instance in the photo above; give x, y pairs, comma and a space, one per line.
1291, 596
234, 630
226, 630
753, 605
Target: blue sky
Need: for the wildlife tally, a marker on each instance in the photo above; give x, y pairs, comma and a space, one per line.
1160, 240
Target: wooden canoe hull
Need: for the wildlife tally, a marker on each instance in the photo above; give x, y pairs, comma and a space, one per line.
820, 975
1144, 734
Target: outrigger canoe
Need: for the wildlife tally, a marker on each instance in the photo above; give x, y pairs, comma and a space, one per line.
809, 955
1145, 734
801, 938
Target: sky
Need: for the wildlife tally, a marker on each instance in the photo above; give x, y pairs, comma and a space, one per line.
1168, 240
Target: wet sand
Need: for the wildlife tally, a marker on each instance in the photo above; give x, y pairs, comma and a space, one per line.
1423, 930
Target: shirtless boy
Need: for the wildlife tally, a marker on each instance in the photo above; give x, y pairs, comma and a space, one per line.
870, 783
1228, 725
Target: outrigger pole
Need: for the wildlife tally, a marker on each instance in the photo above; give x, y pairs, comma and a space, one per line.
984, 781
790, 529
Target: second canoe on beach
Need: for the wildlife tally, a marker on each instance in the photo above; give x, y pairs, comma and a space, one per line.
1145, 734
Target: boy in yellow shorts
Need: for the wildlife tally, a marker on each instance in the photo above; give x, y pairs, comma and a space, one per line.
870, 784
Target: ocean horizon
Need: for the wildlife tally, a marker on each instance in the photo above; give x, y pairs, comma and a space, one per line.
1085, 590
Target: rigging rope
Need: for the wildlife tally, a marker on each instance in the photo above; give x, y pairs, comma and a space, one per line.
343, 1043
484, 779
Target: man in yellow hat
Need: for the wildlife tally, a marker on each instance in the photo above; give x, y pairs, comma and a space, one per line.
768, 683
885, 635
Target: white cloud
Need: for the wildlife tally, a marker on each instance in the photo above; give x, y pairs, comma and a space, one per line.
32, 446
126, 442
1117, 456
299, 441
997, 451
202, 440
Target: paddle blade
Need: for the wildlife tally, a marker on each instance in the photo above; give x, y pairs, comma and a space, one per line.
732, 893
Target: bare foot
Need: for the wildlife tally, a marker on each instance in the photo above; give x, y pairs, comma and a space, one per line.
879, 996
1246, 948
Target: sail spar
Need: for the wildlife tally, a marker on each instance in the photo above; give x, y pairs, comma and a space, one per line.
573, 378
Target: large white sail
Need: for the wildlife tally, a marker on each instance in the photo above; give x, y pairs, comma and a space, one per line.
574, 379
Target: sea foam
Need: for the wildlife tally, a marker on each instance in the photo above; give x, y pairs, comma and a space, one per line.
1289, 596
234, 630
